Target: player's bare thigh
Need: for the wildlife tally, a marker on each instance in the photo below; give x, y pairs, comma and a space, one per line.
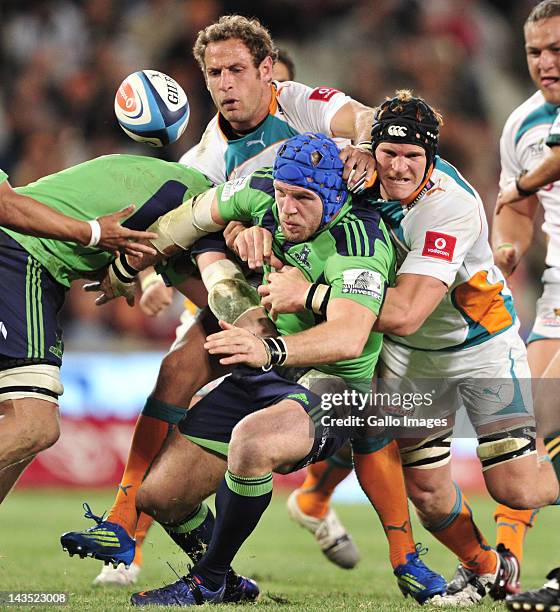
27, 426
521, 482
541, 355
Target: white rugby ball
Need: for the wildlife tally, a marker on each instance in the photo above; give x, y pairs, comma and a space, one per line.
152, 107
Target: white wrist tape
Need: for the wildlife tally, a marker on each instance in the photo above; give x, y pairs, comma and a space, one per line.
184, 225
149, 280
229, 294
95, 233
224, 269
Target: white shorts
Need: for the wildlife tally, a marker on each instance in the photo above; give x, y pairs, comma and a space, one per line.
491, 380
547, 320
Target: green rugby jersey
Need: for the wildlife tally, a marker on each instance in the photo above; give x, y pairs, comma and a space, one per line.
3, 176
353, 253
99, 187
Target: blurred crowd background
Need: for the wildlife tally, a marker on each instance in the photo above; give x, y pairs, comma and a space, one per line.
64, 59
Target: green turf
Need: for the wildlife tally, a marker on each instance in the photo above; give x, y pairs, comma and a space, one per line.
292, 573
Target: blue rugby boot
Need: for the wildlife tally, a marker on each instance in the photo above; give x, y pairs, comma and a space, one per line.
187, 591
105, 541
240, 589
417, 579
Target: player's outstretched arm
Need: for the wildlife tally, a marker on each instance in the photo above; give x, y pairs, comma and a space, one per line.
177, 230
28, 216
113, 236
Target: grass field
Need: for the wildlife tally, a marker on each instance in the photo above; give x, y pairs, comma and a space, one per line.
284, 559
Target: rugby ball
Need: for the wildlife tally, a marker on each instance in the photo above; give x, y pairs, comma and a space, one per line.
152, 107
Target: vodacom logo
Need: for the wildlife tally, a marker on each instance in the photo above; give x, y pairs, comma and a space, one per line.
440, 243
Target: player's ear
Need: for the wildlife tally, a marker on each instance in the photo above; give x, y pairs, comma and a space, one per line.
265, 69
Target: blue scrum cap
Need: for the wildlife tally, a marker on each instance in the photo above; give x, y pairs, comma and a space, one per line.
311, 161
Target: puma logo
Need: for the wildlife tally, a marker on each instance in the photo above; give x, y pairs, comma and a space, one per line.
124, 488
397, 527
259, 141
504, 524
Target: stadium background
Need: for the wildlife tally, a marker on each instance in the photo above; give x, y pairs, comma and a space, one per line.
62, 62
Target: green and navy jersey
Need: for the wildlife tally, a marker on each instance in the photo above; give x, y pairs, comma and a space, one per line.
99, 187
294, 108
523, 146
352, 253
445, 236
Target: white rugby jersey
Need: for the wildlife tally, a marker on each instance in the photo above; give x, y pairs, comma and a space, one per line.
445, 235
522, 147
294, 108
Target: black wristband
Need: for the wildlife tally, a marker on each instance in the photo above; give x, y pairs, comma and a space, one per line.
278, 351
311, 301
123, 270
523, 192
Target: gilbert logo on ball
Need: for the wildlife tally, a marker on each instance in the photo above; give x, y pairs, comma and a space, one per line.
152, 107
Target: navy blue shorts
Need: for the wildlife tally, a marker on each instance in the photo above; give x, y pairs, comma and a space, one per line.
30, 300
209, 423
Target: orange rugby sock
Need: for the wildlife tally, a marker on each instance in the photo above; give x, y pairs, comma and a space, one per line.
512, 526
147, 440
458, 532
381, 477
144, 523
320, 482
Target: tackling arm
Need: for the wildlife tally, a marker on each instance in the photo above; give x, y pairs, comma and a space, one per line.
409, 303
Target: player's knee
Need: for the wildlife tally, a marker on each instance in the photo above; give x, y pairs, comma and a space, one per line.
249, 449
429, 494
503, 453
516, 494
153, 502
38, 430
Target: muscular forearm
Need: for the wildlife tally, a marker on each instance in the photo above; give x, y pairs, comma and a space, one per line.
364, 121
409, 303
24, 214
512, 227
325, 343
354, 121
396, 315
